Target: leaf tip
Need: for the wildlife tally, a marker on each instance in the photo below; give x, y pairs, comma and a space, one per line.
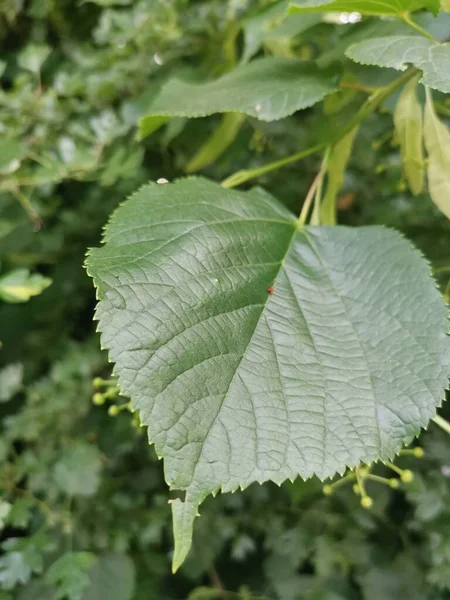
183, 514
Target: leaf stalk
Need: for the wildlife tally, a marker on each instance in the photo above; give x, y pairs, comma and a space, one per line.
442, 423
407, 19
369, 106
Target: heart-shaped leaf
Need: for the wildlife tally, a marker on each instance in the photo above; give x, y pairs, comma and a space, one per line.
256, 349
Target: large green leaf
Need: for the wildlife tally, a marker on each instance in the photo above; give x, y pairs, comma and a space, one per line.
344, 362
365, 7
268, 89
398, 52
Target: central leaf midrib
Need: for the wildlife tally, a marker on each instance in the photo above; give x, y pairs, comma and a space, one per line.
296, 227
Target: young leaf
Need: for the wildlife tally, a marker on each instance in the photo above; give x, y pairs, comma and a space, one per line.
337, 161
268, 89
437, 142
365, 7
343, 361
408, 121
19, 285
217, 143
398, 52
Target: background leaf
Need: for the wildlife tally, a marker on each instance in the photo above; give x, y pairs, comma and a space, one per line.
408, 121
20, 285
33, 57
398, 52
268, 89
37, 590
256, 27
365, 7
69, 574
10, 381
22, 558
5, 508
272, 22
11, 153
437, 141
77, 472
111, 578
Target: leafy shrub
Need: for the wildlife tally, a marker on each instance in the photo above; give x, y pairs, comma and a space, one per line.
255, 346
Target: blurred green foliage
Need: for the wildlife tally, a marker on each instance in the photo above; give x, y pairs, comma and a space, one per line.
84, 508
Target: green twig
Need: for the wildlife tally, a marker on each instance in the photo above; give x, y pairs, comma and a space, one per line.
359, 87
407, 19
369, 106
44, 508
360, 476
443, 424
243, 176
382, 480
329, 488
308, 200
394, 468
444, 269
27, 206
315, 216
